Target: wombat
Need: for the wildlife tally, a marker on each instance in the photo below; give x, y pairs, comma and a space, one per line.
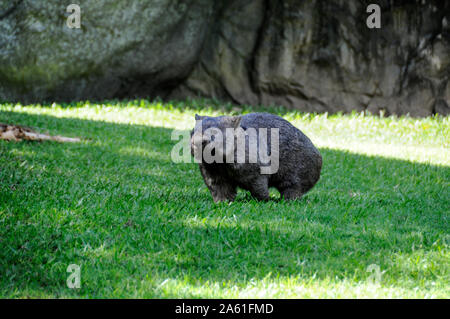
295, 163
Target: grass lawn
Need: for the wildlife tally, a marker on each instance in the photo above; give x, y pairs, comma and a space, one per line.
142, 226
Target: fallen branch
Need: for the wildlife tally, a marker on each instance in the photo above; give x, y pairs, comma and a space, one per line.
20, 133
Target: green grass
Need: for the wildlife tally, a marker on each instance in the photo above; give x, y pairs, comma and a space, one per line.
142, 226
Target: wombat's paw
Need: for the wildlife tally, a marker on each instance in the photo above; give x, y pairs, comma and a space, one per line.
259, 189
224, 194
221, 198
292, 194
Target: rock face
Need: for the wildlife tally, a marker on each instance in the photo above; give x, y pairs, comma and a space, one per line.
124, 47
320, 56
310, 55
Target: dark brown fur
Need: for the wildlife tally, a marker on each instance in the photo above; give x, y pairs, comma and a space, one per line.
300, 162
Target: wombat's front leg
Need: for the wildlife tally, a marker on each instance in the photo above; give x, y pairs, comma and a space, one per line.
223, 192
221, 189
259, 188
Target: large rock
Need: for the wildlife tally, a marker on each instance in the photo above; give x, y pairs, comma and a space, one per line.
320, 56
310, 55
124, 47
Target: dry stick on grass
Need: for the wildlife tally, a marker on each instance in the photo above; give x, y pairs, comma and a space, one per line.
20, 133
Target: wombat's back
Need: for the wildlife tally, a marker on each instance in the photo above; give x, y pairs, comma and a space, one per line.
300, 161
288, 133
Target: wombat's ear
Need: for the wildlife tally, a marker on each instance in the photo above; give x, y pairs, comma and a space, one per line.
230, 121
198, 117
235, 121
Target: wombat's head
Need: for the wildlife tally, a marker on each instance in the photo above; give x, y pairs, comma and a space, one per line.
210, 134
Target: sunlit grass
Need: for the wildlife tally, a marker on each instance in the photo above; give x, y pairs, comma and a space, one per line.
142, 226
425, 140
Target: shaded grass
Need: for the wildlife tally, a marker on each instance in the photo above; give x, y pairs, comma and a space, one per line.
142, 226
